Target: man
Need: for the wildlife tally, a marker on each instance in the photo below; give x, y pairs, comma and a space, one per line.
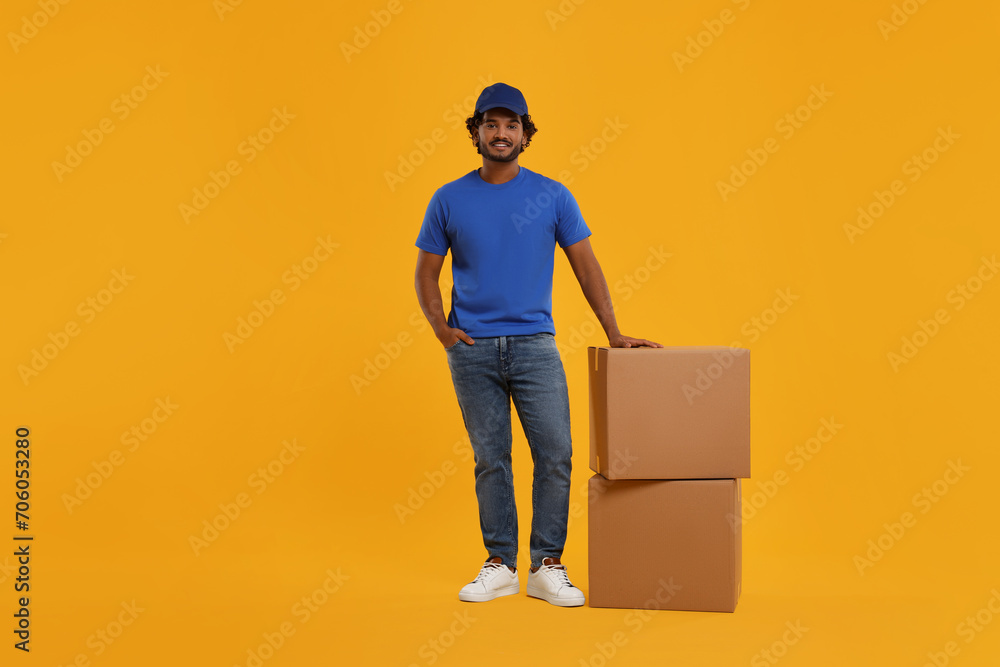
501, 223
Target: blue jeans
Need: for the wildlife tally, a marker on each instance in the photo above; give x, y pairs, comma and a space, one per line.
487, 376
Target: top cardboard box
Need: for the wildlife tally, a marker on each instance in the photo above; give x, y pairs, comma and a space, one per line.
670, 413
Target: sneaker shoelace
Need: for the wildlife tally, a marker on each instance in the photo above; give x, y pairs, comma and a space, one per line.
558, 574
488, 571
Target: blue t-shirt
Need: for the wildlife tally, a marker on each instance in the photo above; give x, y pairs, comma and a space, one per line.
502, 240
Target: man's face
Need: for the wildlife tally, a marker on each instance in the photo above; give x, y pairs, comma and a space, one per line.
501, 136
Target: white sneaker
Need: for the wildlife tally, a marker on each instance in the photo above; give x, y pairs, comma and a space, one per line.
494, 580
551, 583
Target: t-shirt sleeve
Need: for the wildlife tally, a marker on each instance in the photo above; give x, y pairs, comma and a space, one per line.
570, 227
433, 237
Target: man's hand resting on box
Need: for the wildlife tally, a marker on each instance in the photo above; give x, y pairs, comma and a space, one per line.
628, 341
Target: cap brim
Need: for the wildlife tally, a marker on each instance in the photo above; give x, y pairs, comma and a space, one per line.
518, 110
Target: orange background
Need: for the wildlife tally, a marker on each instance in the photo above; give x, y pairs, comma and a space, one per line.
307, 220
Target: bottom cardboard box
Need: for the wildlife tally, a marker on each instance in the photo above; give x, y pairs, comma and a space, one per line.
665, 544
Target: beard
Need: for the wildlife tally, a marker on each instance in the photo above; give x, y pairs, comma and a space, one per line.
510, 156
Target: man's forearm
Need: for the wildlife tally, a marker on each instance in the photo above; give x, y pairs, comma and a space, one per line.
431, 303
595, 288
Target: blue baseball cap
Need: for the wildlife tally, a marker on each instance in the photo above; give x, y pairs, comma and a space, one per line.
502, 95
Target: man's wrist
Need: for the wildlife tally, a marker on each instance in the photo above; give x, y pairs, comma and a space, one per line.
608, 323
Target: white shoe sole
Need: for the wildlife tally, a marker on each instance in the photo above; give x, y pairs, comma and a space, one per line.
559, 602
486, 597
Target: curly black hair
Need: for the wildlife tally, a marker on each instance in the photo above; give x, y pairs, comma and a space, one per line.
473, 122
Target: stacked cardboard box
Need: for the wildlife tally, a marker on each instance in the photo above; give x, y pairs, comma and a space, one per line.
669, 441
